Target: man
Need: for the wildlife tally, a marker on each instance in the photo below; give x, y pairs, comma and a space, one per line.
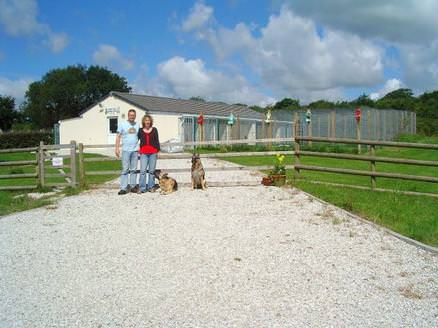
127, 132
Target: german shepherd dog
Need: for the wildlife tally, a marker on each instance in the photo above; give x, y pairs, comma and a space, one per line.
167, 184
198, 173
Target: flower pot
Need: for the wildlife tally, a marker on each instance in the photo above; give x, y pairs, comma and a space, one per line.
278, 179
266, 181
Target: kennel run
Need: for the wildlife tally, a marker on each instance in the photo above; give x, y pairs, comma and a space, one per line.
180, 120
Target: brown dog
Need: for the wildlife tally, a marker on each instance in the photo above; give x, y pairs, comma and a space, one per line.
198, 173
167, 184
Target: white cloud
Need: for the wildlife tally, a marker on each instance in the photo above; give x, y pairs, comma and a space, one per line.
291, 58
178, 77
58, 41
19, 18
199, 16
393, 20
409, 26
110, 56
14, 88
389, 86
421, 66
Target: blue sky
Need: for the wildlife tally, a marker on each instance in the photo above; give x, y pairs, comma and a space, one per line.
253, 52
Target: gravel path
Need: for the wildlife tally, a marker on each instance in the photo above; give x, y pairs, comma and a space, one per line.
225, 257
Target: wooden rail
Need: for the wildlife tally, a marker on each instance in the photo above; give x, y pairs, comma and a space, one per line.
371, 158
369, 142
18, 150
18, 163
189, 156
367, 173
210, 143
188, 170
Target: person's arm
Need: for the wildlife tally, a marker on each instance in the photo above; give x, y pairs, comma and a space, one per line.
118, 145
158, 139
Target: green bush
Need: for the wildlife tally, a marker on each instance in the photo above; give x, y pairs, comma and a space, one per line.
25, 139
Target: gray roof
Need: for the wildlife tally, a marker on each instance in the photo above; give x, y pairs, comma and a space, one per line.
190, 107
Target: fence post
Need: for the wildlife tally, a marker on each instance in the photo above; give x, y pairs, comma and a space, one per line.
319, 126
373, 166
270, 134
238, 127
333, 122
297, 159
41, 178
358, 136
73, 170
295, 127
309, 132
81, 165
369, 124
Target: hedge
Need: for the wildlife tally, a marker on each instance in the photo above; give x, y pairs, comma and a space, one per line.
25, 139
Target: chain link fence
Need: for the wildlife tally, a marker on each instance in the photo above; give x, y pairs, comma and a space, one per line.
375, 124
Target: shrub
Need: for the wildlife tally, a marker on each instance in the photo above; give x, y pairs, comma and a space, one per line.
25, 139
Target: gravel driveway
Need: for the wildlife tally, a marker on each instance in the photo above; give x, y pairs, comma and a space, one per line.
226, 257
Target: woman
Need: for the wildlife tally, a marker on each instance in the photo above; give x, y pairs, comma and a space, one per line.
149, 148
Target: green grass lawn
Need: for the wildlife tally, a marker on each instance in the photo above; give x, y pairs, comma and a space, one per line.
10, 204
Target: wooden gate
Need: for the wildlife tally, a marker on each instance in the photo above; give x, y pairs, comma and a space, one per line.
42, 166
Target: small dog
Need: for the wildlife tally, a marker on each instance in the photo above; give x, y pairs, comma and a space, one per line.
167, 184
198, 173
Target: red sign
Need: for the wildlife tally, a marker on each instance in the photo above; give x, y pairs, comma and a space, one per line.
357, 114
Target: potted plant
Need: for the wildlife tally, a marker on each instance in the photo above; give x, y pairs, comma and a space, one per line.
278, 173
266, 181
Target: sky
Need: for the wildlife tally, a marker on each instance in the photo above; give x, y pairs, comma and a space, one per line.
236, 51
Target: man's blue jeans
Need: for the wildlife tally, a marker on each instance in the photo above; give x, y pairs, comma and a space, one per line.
129, 166
147, 163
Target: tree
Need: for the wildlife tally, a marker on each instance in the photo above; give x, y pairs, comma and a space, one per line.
427, 113
197, 99
8, 114
363, 100
398, 99
321, 104
65, 92
286, 103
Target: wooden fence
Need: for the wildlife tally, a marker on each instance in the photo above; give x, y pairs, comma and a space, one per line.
77, 173
83, 173
371, 158
42, 175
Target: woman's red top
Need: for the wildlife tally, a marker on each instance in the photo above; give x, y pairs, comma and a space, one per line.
147, 148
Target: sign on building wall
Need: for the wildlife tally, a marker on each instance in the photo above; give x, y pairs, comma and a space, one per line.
112, 111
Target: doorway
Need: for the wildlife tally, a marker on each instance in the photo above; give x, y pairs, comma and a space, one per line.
113, 123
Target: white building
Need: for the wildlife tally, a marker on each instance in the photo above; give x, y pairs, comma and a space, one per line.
174, 119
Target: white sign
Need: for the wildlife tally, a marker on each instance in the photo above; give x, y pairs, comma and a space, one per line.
112, 111
57, 161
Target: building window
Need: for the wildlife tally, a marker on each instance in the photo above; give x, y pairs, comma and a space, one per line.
113, 125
